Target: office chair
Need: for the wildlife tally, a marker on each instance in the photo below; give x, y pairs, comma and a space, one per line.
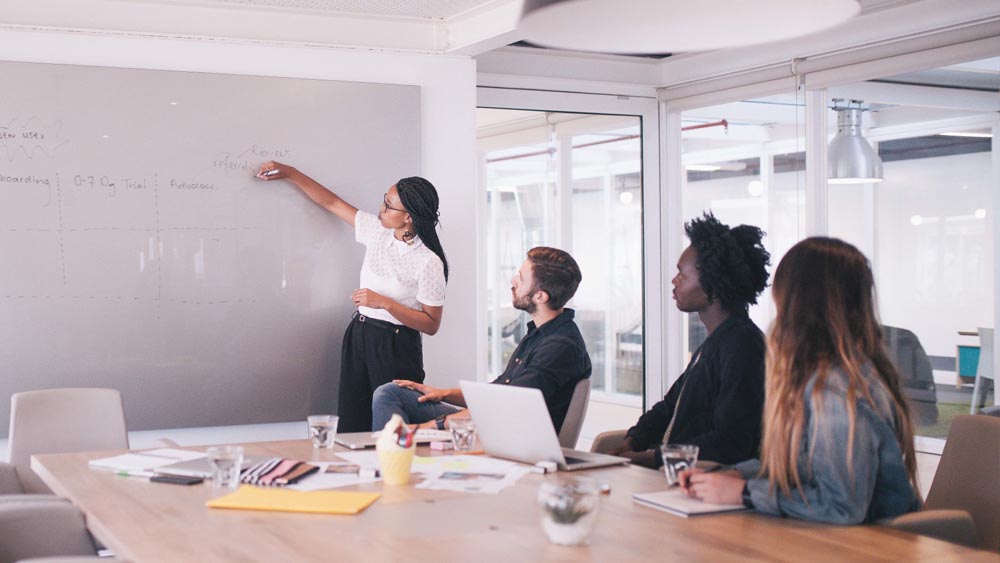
916, 371
573, 423
963, 504
608, 441
57, 421
42, 529
985, 368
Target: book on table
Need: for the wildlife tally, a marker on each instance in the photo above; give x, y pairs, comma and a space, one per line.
144, 461
676, 502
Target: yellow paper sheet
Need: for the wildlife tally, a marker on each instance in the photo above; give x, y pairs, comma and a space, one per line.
248, 497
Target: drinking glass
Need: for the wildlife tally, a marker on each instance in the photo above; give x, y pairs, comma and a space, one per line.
323, 430
226, 461
463, 433
676, 458
569, 509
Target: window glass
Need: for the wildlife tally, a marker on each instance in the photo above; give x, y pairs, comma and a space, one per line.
745, 163
571, 181
927, 230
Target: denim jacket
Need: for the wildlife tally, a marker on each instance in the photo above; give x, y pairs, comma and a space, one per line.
879, 487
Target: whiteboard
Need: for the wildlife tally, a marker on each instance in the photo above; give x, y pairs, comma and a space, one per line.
138, 252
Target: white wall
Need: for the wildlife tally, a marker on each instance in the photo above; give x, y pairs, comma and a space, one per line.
448, 100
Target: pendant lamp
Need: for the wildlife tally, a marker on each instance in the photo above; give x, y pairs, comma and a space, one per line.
850, 158
671, 26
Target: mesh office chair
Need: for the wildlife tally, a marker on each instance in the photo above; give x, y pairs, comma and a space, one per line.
58, 421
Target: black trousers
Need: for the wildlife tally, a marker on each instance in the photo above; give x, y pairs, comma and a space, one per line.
374, 353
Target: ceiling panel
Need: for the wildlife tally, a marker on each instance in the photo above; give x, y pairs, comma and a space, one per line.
424, 9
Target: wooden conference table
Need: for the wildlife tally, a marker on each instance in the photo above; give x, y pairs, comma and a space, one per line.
150, 522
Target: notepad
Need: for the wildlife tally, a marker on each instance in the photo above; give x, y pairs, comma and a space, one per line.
282, 500
676, 502
144, 461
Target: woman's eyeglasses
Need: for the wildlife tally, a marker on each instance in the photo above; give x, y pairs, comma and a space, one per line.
386, 206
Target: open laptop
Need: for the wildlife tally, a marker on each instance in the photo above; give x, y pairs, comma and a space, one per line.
362, 440
513, 423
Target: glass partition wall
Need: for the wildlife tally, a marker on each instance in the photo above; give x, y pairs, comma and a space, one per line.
927, 227
744, 162
573, 181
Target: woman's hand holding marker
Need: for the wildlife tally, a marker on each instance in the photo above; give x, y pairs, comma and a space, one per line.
272, 170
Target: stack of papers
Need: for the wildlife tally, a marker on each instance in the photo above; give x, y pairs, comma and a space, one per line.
463, 473
468, 473
324, 480
144, 461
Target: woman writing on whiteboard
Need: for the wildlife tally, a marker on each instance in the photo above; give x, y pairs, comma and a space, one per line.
403, 279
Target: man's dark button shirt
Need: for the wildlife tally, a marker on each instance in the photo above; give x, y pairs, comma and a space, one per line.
551, 358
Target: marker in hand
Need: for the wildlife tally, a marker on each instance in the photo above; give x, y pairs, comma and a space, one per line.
268, 173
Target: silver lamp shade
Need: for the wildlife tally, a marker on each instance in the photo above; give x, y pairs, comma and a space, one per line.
850, 158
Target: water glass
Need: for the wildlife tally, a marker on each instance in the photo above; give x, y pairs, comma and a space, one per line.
569, 509
226, 461
323, 430
676, 458
463, 433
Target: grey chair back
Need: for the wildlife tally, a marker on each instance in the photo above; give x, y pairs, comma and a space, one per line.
63, 420
573, 423
966, 477
985, 368
42, 529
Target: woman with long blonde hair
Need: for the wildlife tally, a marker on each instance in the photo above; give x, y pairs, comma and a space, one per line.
838, 441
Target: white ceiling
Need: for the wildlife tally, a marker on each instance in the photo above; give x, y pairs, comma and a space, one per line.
478, 28
423, 9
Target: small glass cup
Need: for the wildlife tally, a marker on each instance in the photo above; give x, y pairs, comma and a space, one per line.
569, 509
227, 462
323, 430
676, 458
463, 433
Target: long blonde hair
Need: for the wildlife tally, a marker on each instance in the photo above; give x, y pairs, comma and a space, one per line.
824, 294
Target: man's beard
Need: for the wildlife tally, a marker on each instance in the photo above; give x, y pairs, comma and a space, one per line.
524, 303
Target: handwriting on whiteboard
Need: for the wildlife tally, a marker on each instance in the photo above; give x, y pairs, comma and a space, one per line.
30, 138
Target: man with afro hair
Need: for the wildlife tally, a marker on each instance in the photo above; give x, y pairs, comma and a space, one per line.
718, 401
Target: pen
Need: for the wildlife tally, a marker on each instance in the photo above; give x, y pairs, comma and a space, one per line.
138, 474
268, 173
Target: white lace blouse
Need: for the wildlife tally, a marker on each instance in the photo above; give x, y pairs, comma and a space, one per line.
408, 273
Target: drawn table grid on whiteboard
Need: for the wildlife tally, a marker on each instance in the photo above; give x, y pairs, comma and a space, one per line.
155, 230
138, 252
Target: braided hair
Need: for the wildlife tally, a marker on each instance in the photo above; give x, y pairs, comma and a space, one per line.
420, 199
732, 262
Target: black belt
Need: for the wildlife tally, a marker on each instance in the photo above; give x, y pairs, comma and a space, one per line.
395, 328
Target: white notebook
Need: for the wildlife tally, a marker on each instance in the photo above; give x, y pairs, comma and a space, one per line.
144, 461
676, 502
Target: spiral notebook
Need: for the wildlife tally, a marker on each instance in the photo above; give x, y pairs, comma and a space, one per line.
144, 461
676, 502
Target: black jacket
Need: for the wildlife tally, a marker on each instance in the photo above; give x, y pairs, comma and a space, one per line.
721, 409
551, 358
